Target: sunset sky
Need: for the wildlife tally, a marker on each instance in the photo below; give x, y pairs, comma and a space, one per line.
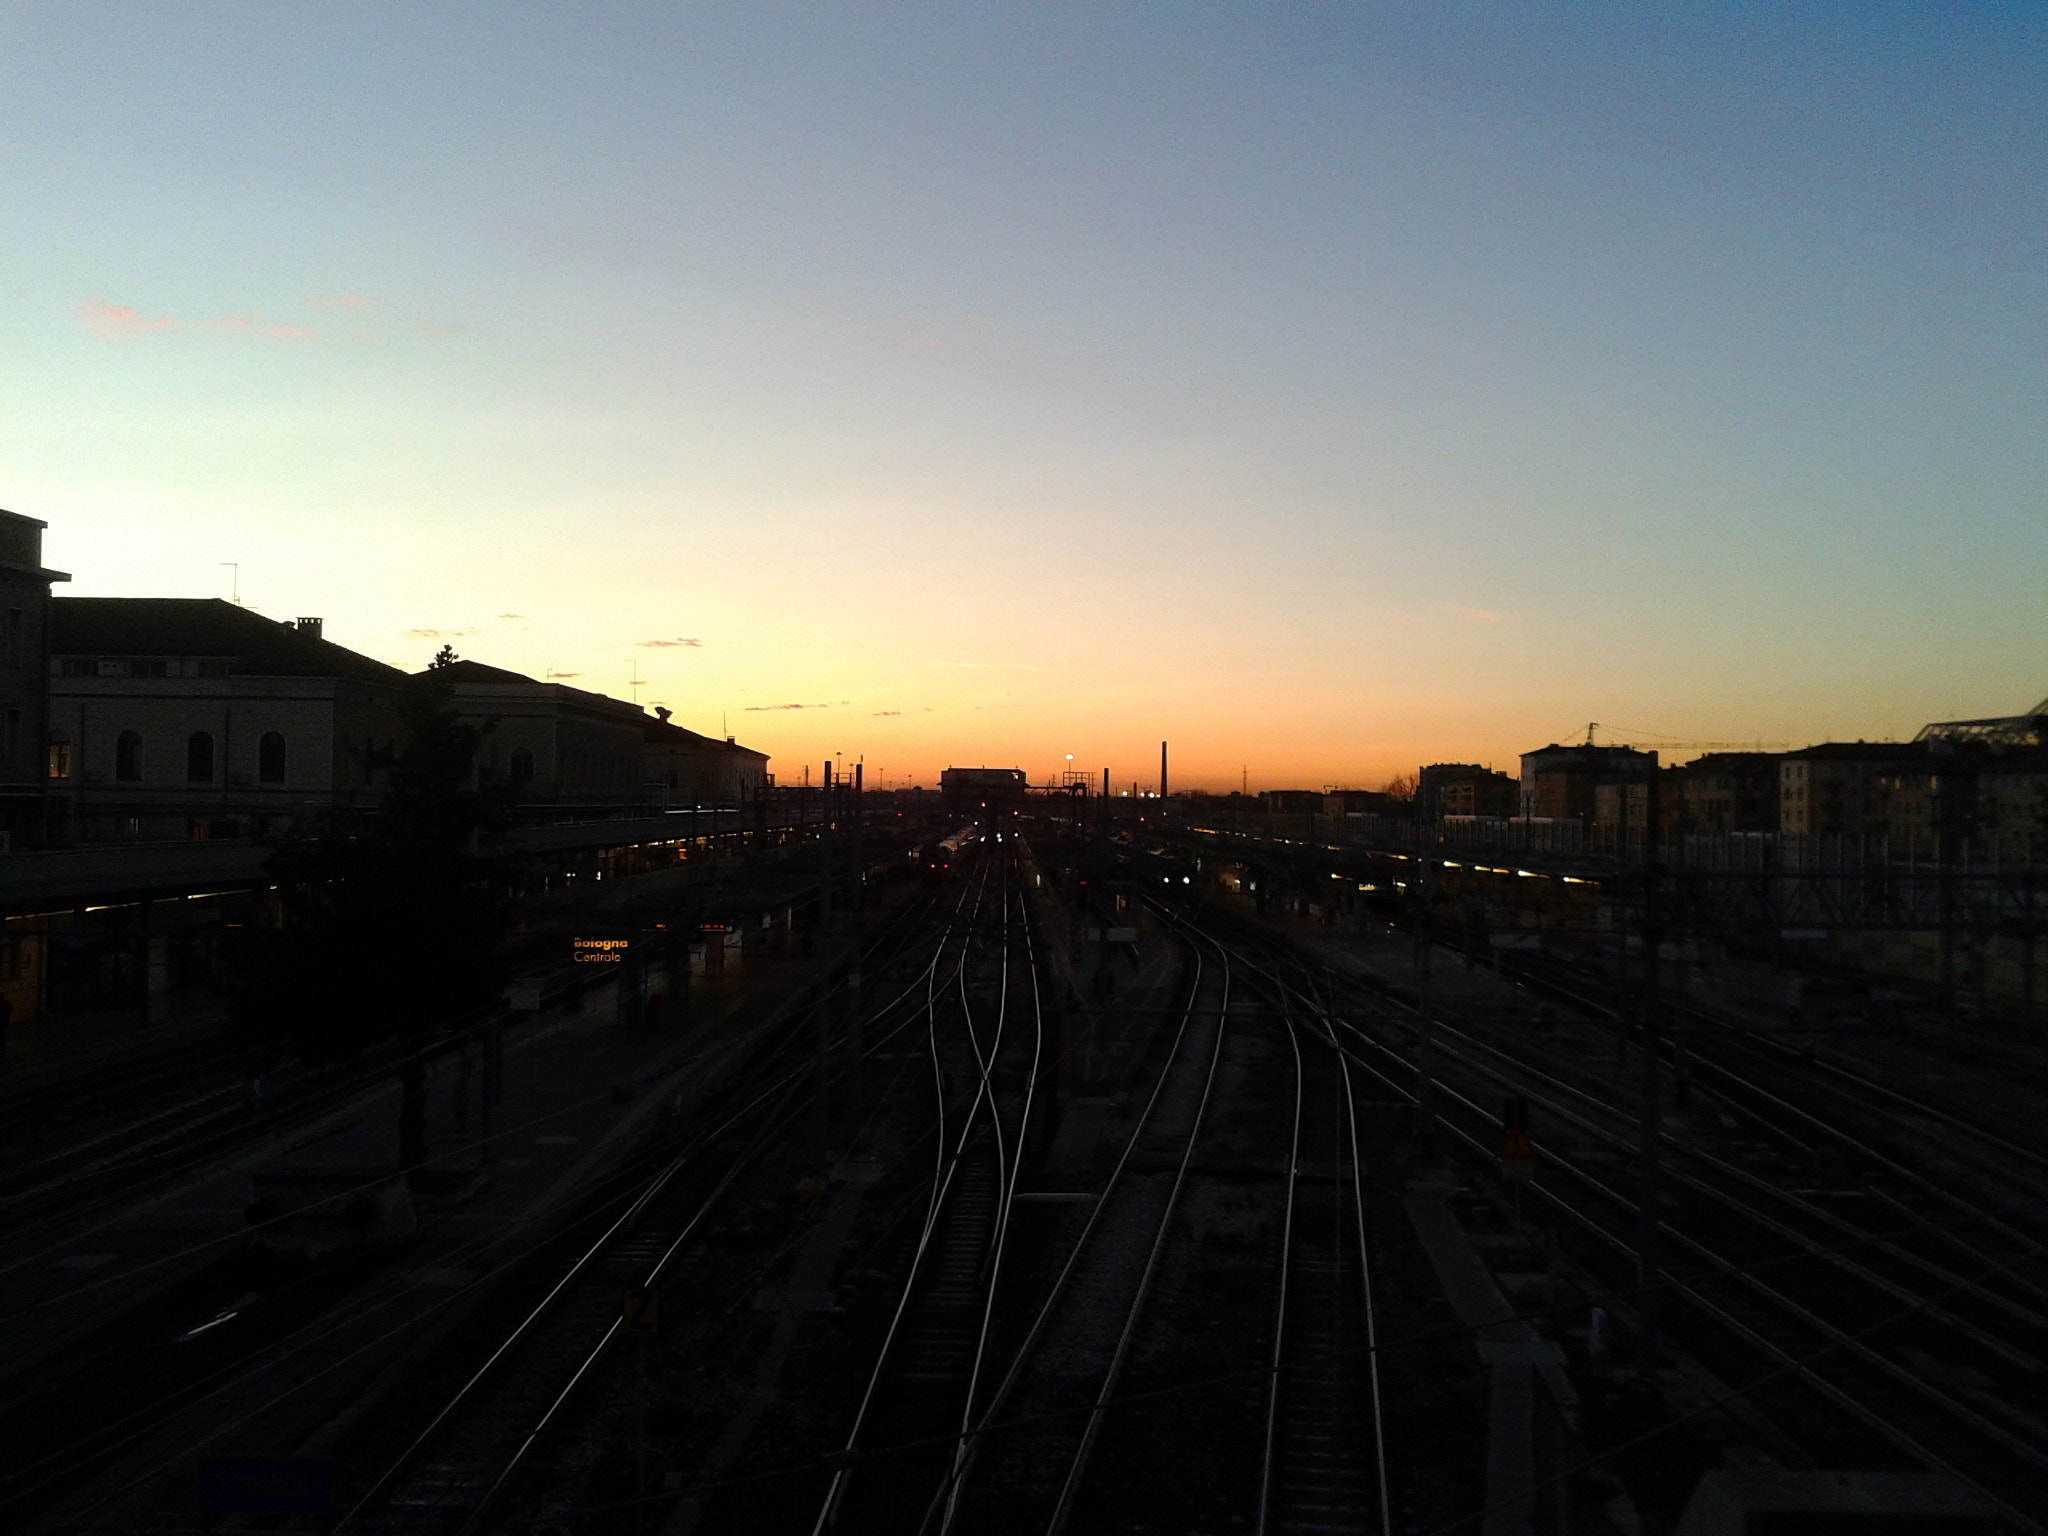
1326, 388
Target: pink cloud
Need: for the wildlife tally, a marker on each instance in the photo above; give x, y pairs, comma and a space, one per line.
344, 301
124, 322
120, 322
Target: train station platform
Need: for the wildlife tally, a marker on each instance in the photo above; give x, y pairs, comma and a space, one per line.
129, 1289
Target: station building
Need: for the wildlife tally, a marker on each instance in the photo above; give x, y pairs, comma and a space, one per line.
24, 681
559, 747
193, 718
550, 743
681, 767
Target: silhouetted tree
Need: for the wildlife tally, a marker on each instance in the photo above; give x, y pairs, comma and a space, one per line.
387, 933
444, 657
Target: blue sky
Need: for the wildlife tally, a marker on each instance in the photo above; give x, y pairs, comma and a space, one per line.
1327, 388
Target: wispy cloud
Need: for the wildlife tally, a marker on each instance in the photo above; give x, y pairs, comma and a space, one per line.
1475, 615
124, 322
439, 634
883, 714
757, 709
344, 301
120, 322
511, 616
657, 645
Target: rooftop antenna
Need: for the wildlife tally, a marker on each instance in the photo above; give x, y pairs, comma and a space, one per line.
637, 682
234, 582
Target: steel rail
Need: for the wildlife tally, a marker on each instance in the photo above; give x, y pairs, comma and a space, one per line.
1372, 1340
1968, 1208
1077, 1468
1932, 1393
789, 1081
781, 1084
1879, 1422
1372, 1348
943, 1179
1009, 1194
1280, 1305
1951, 1281
946, 1505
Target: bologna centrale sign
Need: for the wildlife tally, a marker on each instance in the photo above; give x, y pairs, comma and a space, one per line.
598, 951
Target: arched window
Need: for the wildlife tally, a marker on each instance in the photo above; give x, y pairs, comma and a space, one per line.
270, 759
522, 766
128, 756
199, 758
60, 755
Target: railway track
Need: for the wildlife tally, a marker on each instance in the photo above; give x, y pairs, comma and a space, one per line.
464, 1469
1025, 1463
927, 1374
1810, 1295
1324, 1464
62, 1196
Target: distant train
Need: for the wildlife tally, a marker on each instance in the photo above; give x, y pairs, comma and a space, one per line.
938, 861
978, 789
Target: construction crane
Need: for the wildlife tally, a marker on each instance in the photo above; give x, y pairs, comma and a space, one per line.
1593, 727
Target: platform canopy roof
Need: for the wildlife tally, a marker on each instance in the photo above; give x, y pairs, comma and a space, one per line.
2028, 730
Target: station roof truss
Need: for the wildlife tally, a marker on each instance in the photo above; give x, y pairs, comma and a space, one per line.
2028, 730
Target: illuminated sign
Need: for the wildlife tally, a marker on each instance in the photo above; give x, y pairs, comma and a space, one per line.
598, 951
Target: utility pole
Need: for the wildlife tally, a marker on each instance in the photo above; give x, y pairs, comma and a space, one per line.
1425, 1045
1624, 1002
856, 1046
1948, 839
1651, 1129
821, 1070
1162, 770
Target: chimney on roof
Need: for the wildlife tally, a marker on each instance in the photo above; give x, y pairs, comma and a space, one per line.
731, 741
310, 628
661, 713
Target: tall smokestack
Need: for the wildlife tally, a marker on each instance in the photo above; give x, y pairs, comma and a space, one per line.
1162, 770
